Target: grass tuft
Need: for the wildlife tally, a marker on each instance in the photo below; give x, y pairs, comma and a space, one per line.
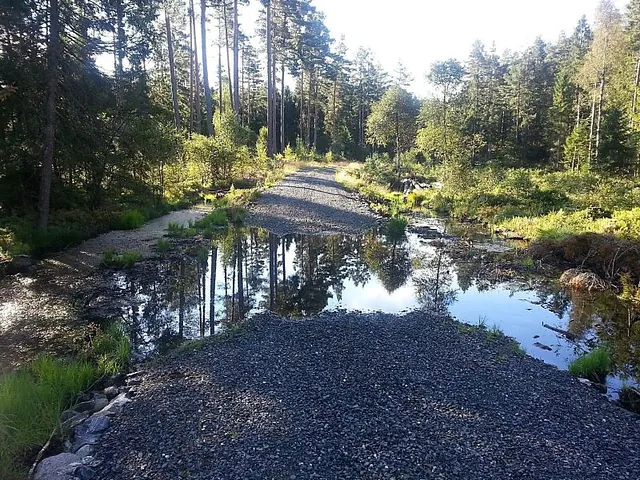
163, 246
30, 403
111, 259
594, 366
128, 220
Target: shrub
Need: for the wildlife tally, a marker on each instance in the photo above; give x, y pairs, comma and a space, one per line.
595, 365
627, 223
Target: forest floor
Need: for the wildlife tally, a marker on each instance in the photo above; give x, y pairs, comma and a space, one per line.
39, 311
351, 395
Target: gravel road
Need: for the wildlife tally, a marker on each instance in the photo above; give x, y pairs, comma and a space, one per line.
311, 202
373, 396
38, 311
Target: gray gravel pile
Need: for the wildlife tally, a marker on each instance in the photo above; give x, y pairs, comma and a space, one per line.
311, 202
374, 396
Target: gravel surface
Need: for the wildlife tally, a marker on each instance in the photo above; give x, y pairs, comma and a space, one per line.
374, 396
39, 311
311, 202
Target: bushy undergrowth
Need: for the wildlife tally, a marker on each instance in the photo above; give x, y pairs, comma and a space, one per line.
532, 203
32, 398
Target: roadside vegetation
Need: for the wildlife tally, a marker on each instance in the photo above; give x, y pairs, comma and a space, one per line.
594, 366
32, 398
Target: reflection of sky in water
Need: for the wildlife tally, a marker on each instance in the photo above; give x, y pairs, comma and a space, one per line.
355, 274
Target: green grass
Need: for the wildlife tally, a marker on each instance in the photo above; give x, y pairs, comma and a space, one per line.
111, 349
126, 260
72, 226
533, 203
217, 218
594, 366
163, 246
32, 398
129, 220
30, 404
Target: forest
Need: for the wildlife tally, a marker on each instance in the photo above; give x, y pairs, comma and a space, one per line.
113, 112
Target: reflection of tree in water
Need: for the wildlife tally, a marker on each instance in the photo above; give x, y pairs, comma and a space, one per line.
164, 299
388, 259
616, 323
434, 282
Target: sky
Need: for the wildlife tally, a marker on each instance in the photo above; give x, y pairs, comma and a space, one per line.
419, 32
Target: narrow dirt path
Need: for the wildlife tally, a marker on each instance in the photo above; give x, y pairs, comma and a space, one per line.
38, 311
312, 202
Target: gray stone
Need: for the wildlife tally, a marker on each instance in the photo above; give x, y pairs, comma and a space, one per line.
115, 406
58, 467
73, 421
98, 424
84, 406
83, 472
117, 380
97, 403
85, 451
111, 392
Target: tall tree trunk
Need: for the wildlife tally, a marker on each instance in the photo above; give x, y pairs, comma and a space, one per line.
236, 86
172, 70
593, 122
315, 115
634, 102
198, 108
397, 121
282, 110
120, 38
221, 104
205, 68
190, 123
274, 102
308, 137
270, 106
243, 91
53, 62
301, 120
599, 124
226, 40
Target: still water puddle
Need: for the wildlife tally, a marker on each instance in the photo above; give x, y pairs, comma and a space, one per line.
245, 271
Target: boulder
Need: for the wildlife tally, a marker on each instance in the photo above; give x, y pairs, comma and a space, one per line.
58, 467
115, 406
85, 451
579, 279
111, 392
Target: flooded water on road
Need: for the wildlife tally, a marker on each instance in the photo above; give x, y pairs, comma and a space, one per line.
245, 271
